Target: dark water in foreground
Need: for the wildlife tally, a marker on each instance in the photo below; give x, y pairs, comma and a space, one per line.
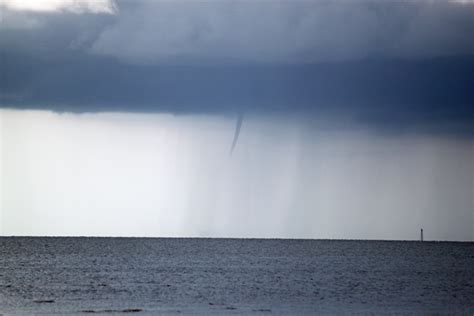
234, 276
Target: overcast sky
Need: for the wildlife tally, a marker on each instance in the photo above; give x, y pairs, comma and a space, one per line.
351, 119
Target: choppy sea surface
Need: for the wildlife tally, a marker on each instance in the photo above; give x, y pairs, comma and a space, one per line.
161, 276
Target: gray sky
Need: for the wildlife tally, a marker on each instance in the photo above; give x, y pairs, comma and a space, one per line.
165, 175
118, 118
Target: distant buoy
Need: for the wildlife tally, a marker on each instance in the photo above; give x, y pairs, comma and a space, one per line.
421, 237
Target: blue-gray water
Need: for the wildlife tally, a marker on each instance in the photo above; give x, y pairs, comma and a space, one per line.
234, 276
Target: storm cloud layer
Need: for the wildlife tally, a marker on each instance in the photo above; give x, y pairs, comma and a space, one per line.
288, 31
392, 64
259, 31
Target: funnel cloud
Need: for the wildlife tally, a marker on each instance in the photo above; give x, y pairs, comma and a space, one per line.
238, 126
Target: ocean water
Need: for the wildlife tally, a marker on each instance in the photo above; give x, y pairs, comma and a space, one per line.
234, 276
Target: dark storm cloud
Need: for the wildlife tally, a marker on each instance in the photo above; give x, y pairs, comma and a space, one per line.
288, 31
386, 64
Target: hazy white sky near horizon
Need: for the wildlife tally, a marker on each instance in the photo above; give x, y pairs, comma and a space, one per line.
116, 174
